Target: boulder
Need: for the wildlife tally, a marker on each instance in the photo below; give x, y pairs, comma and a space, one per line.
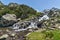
8, 20
9, 17
6, 23
4, 36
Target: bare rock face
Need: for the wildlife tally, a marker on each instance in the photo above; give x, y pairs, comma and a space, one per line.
8, 20
6, 23
9, 17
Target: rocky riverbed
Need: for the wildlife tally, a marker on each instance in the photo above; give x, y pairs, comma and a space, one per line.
18, 29
9, 34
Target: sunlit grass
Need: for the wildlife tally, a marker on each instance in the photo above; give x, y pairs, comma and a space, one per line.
36, 36
45, 35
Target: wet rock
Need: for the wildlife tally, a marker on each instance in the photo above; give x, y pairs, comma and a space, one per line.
21, 25
6, 23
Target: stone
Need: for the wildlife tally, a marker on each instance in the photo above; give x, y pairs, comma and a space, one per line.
4, 36
8, 20
13, 34
20, 25
6, 23
9, 17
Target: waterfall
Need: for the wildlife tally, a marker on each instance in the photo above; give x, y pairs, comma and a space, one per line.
45, 17
32, 25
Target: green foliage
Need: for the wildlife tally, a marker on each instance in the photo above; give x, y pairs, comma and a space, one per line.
52, 34
49, 34
22, 11
44, 35
36, 36
39, 14
56, 35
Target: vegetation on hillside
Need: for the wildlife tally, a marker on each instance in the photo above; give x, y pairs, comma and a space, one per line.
22, 11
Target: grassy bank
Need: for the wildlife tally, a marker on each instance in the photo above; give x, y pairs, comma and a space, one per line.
44, 35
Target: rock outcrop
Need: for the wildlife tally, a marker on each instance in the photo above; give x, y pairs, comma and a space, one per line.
54, 18
8, 20
9, 17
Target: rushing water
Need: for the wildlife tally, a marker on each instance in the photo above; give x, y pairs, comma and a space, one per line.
45, 17
32, 25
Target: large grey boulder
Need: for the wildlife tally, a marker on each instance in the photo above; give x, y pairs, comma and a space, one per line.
8, 20
6, 23
9, 17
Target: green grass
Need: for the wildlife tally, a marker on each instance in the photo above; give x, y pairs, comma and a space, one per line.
45, 35
36, 36
56, 35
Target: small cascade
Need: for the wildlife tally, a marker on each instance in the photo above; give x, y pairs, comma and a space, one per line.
45, 17
33, 24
